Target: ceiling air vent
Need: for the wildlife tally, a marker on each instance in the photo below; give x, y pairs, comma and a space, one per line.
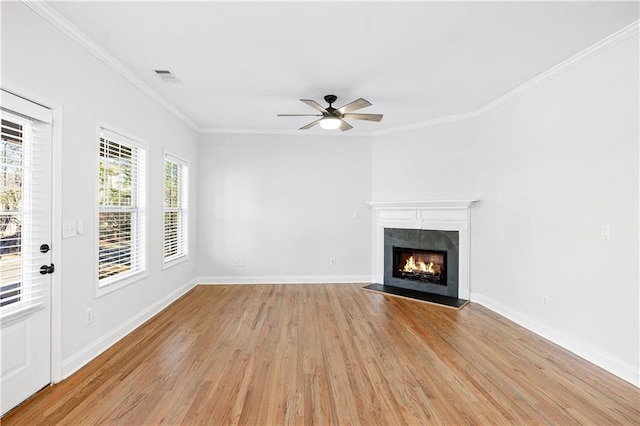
167, 76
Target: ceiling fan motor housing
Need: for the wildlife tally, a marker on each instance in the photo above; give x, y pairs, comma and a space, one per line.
330, 99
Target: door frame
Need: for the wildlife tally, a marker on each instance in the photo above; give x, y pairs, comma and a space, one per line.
56, 219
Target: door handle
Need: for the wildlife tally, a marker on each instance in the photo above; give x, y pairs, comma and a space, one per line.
44, 269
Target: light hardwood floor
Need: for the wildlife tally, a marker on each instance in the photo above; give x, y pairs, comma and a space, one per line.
331, 354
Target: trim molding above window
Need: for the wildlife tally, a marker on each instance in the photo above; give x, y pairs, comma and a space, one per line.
175, 210
121, 220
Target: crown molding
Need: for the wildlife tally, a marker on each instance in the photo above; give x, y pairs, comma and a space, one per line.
53, 17
427, 123
239, 131
599, 47
397, 129
58, 21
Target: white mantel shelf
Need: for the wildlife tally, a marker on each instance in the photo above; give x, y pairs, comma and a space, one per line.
441, 215
437, 204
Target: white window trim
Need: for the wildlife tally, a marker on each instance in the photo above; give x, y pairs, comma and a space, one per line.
172, 261
129, 278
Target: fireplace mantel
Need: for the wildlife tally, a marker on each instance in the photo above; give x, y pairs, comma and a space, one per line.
434, 204
442, 215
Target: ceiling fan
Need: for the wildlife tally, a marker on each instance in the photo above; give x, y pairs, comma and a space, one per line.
333, 118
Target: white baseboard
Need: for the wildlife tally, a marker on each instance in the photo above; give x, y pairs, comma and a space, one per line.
602, 359
89, 352
286, 279
596, 356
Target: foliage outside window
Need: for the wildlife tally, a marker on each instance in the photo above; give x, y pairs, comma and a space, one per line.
175, 208
11, 211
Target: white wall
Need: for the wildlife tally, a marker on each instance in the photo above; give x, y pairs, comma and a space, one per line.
550, 165
434, 163
558, 162
285, 204
40, 58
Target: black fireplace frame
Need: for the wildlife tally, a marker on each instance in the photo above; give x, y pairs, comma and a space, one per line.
426, 240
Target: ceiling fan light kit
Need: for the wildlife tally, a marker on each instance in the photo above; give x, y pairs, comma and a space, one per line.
330, 123
333, 118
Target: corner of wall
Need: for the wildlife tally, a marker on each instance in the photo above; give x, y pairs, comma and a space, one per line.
584, 350
104, 342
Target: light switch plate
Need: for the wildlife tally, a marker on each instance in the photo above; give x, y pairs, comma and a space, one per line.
69, 229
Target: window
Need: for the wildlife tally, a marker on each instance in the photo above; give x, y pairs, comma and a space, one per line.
121, 210
176, 174
11, 216
25, 191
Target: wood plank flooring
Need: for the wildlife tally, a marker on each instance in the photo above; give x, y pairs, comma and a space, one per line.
330, 354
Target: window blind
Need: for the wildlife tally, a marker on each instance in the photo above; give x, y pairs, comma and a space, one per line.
24, 207
175, 208
122, 211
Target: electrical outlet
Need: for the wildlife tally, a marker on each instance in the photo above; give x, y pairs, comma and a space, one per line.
606, 232
236, 262
332, 261
241, 262
545, 301
88, 316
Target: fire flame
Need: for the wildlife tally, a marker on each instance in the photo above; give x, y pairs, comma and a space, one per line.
412, 265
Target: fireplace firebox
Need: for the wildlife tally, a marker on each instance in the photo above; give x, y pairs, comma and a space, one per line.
428, 266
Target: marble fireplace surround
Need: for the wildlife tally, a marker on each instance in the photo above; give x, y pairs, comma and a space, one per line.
451, 215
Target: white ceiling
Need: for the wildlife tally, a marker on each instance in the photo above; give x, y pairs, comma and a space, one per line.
241, 63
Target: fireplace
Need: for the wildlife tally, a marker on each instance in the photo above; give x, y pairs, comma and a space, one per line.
422, 260
429, 266
452, 218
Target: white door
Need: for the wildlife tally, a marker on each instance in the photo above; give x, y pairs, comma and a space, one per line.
25, 255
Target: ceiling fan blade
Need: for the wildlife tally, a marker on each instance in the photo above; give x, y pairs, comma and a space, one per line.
368, 117
344, 126
310, 125
313, 104
299, 115
352, 106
